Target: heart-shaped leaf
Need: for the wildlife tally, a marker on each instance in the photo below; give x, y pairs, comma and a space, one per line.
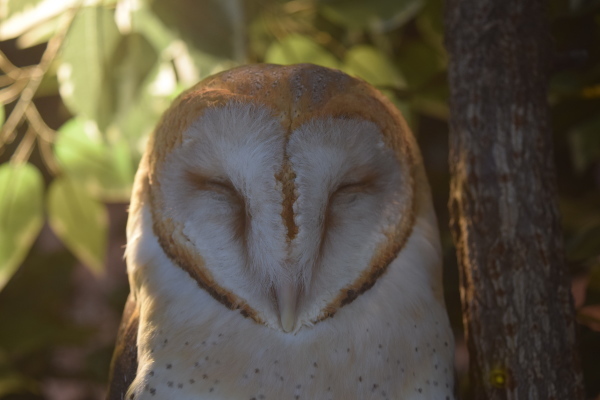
86, 54
79, 221
382, 15
294, 49
104, 169
21, 214
372, 65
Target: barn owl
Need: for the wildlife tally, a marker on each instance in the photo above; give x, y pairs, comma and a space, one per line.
282, 244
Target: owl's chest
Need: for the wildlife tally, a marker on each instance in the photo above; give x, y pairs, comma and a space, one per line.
249, 361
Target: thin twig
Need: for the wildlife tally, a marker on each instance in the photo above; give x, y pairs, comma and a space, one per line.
7, 133
35, 119
9, 68
12, 92
48, 156
5, 80
22, 73
25, 147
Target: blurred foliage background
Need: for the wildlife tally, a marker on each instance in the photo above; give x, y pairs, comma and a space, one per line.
83, 82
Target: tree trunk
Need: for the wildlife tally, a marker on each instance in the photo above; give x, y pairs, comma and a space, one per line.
515, 290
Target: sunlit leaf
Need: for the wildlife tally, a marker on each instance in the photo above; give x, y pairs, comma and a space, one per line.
104, 169
372, 65
378, 14
49, 84
82, 153
584, 141
211, 26
79, 221
189, 64
21, 215
151, 26
130, 66
294, 49
18, 17
39, 34
157, 94
190, 61
87, 50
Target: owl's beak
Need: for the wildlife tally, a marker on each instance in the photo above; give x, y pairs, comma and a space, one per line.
287, 296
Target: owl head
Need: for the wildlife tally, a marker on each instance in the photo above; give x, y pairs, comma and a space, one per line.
284, 191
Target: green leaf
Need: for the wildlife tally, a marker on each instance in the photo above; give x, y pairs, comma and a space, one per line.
433, 101
21, 215
1, 115
19, 16
130, 67
382, 15
49, 84
192, 59
294, 49
39, 34
420, 62
372, 65
86, 54
430, 22
123, 169
79, 221
25, 17
12, 382
579, 213
152, 27
156, 96
584, 143
105, 169
42, 291
210, 26
423, 66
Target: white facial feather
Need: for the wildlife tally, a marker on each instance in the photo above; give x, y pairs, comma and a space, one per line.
241, 145
345, 186
344, 180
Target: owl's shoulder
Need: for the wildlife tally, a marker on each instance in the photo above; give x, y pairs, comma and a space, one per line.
123, 367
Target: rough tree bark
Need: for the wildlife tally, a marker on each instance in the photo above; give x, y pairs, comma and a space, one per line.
515, 290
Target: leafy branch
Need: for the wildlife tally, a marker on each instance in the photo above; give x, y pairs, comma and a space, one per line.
23, 83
